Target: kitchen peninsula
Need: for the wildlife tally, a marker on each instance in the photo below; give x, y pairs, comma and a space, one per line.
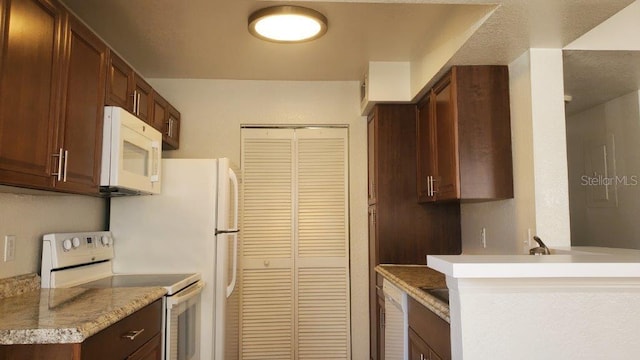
577, 303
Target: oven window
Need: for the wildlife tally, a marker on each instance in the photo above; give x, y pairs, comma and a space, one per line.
135, 159
187, 333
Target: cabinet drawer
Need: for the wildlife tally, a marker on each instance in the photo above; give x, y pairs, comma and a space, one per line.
111, 342
430, 327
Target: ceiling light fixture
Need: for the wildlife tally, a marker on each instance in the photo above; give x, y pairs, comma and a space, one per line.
287, 24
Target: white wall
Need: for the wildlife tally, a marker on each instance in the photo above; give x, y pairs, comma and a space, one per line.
28, 217
213, 111
595, 222
541, 201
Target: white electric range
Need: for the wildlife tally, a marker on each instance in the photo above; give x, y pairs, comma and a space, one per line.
85, 259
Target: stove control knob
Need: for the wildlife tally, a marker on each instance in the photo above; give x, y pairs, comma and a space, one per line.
76, 242
106, 241
66, 244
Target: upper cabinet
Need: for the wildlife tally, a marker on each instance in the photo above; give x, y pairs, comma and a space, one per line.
82, 109
127, 89
30, 80
56, 76
166, 119
464, 137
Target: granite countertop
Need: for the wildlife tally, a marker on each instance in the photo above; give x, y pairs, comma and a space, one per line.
68, 315
410, 278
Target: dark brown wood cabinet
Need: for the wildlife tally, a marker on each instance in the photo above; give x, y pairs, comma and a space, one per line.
464, 137
128, 90
166, 119
429, 335
143, 99
171, 133
137, 336
152, 350
56, 76
119, 80
30, 82
401, 231
82, 110
52, 81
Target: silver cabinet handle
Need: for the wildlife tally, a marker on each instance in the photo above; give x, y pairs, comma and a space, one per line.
170, 127
138, 110
66, 162
133, 334
59, 173
135, 101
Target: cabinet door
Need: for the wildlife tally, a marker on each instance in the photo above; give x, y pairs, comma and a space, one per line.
381, 324
447, 179
152, 350
81, 118
171, 130
144, 99
371, 158
426, 150
119, 83
418, 349
160, 112
375, 312
29, 91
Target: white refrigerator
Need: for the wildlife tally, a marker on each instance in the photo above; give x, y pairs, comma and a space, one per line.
191, 226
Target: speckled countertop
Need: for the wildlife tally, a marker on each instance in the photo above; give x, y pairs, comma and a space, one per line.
48, 316
411, 277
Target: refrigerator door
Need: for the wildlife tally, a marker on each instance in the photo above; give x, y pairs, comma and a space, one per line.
226, 321
173, 232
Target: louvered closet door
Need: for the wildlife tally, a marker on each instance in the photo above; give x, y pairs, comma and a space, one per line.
267, 295
295, 297
322, 258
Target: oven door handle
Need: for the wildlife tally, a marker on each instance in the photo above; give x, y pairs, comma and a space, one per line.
185, 295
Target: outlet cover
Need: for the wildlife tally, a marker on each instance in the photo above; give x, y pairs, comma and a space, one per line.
9, 248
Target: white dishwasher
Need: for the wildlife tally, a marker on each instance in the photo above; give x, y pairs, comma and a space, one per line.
396, 330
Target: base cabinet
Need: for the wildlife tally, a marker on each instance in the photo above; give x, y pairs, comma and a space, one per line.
138, 336
419, 349
429, 335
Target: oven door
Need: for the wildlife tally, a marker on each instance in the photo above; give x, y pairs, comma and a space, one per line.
182, 331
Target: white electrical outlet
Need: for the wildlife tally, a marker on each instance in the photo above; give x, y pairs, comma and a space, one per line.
483, 235
9, 248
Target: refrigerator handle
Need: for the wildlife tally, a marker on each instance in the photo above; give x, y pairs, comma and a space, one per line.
234, 181
234, 268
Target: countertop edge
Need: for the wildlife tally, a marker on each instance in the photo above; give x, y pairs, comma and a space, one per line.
78, 334
429, 301
104, 321
527, 266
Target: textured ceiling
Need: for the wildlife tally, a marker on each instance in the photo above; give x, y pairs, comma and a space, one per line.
594, 77
208, 38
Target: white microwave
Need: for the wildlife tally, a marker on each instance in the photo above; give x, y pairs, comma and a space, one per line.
131, 154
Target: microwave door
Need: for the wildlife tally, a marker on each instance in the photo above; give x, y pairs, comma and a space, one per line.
135, 161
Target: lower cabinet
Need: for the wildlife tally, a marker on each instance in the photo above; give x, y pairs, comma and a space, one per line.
419, 349
429, 335
138, 336
124, 338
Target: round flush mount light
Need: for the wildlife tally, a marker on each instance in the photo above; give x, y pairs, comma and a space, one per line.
287, 24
